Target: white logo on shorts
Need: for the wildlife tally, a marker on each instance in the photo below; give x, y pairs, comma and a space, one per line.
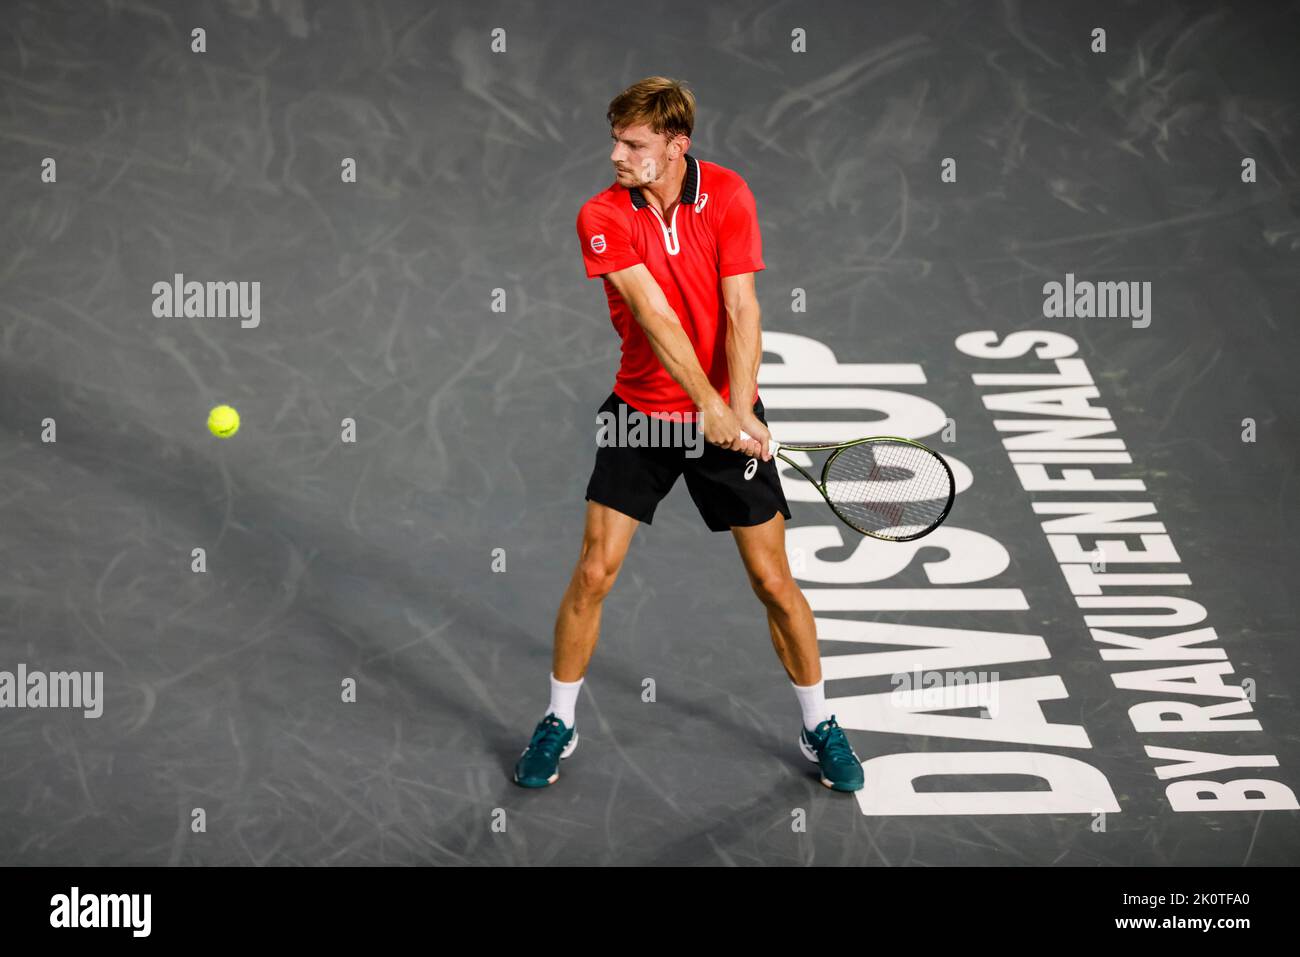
750, 469
598, 243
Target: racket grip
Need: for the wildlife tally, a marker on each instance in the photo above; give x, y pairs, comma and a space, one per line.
771, 445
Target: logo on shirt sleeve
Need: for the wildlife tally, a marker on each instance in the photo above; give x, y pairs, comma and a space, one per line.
598, 243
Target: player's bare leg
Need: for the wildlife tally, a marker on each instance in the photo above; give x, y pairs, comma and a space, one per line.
789, 617
605, 541
794, 636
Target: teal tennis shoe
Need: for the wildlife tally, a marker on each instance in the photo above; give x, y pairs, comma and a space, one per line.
539, 764
828, 747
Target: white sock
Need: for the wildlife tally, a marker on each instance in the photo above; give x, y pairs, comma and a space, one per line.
812, 702
564, 698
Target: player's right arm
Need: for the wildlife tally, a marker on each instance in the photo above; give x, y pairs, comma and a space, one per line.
673, 347
607, 251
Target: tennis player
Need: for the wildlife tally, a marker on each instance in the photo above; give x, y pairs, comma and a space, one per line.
677, 242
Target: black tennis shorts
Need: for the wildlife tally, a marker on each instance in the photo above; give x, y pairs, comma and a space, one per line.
730, 489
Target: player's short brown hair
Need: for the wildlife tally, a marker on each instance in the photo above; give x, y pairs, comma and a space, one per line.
665, 105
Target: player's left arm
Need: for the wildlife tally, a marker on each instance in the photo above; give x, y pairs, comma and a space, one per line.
740, 255
744, 352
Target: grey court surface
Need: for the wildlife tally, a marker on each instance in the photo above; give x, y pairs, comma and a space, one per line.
373, 560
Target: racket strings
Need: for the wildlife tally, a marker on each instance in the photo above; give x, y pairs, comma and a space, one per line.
889, 489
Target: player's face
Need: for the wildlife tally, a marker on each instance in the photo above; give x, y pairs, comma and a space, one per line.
640, 156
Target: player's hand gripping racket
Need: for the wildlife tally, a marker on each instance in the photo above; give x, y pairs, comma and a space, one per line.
884, 486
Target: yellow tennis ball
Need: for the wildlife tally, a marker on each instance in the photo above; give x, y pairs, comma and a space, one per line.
223, 421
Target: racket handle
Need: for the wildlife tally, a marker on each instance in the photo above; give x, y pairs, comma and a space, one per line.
772, 445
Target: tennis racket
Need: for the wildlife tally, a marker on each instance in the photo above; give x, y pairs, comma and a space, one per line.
883, 486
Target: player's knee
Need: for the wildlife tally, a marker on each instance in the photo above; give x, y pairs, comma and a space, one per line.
595, 576
774, 586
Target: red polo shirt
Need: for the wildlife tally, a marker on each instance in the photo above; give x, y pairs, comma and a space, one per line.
712, 233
